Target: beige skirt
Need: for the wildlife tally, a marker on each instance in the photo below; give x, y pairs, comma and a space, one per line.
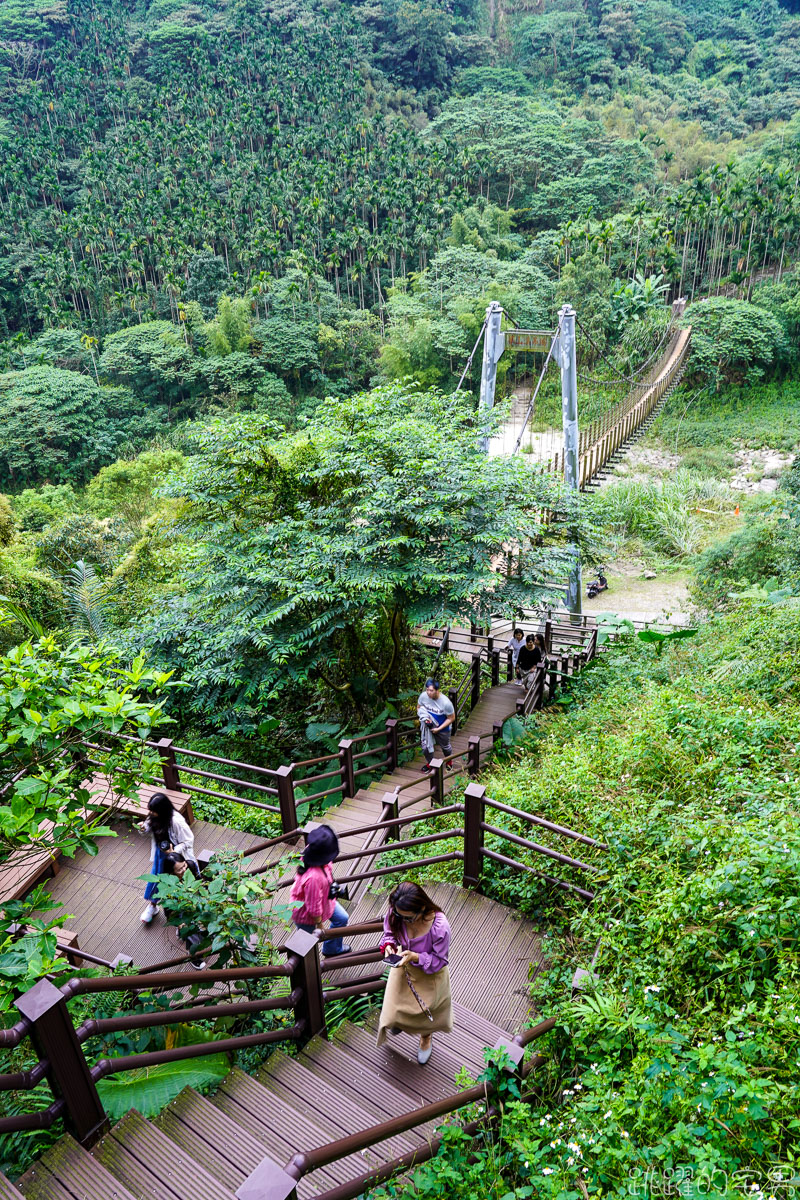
400, 1008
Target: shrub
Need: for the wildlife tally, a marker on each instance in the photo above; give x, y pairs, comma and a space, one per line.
36, 507
684, 1056
733, 340
81, 536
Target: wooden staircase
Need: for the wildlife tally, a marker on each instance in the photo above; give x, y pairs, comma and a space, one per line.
202, 1148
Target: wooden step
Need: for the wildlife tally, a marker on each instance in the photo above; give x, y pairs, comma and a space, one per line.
397, 1059
341, 1108
69, 1170
283, 1128
211, 1138
360, 1076
152, 1166
7, 1189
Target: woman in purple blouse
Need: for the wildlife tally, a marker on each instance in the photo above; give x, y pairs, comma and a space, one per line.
417, 999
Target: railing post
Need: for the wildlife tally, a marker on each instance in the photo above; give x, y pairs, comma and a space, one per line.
306, 978
509, 665
346, 767
474, 754
473, 631
391, 808
54, 1038
436, 777
495, 667
476, 680
392, 745
474, 795
548, 636
169, 765
286, 798
497, 732
452, 696
538, 686
268, 1181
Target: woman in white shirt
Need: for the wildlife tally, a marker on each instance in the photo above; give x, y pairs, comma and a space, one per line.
169, 831
515, 644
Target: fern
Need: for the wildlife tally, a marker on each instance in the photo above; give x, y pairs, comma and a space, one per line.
87, 598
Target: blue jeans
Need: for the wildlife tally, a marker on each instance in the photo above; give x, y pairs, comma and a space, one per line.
338, 920
151, 889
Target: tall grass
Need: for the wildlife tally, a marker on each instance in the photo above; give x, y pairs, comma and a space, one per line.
661, 514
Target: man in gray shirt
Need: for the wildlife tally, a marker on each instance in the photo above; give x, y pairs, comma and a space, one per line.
436, 715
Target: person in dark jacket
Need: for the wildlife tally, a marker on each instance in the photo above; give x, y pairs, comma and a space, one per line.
527, 661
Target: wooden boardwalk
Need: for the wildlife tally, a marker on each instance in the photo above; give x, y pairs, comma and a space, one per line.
206, 1148
103, 896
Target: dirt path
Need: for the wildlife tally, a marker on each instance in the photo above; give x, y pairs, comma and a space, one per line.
664, 598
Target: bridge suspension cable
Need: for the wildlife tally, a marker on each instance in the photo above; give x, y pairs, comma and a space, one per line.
472, 355
540, 380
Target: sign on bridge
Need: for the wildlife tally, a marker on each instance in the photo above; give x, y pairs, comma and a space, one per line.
528, 339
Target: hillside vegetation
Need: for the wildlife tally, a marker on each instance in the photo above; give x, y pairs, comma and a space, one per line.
680, 1061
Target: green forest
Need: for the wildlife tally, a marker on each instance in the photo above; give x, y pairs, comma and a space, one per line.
246, 253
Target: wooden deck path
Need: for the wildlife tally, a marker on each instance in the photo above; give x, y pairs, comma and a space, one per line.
206, 1148
102, 895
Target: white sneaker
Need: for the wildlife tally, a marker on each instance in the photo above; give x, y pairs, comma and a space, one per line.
149, 913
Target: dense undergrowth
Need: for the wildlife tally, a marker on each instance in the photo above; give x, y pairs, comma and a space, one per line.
680, 1066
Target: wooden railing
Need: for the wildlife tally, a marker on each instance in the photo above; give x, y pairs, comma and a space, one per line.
475, 841
605, 435
270, 1181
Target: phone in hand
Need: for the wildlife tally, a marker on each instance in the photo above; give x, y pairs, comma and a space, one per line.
392, 959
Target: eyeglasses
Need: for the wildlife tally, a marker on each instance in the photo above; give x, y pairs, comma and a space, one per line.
408, 917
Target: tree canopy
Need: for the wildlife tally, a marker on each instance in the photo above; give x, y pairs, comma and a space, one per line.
314, 557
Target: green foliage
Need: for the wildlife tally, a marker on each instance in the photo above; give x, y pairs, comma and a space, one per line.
552, 164
150, 1089
765, 550
755, 415
230, 332
86, 596
659, 640
33, 591
586, 282
230, 911
36, 507
732, 340
156, 361
6, 521
25, 959
82, 537
52, 700
662, 514
59, 426
684, 1054
125, 488
323, 551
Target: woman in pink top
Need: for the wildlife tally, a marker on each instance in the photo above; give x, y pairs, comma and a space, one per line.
312, 886
417, 999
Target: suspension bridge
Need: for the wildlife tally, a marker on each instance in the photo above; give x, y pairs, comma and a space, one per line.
607, 435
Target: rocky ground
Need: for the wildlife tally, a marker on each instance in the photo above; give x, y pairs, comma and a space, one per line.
759, 470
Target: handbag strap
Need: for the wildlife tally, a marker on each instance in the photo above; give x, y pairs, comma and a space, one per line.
417, 996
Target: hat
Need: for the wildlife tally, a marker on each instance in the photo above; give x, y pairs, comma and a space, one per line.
322, 846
